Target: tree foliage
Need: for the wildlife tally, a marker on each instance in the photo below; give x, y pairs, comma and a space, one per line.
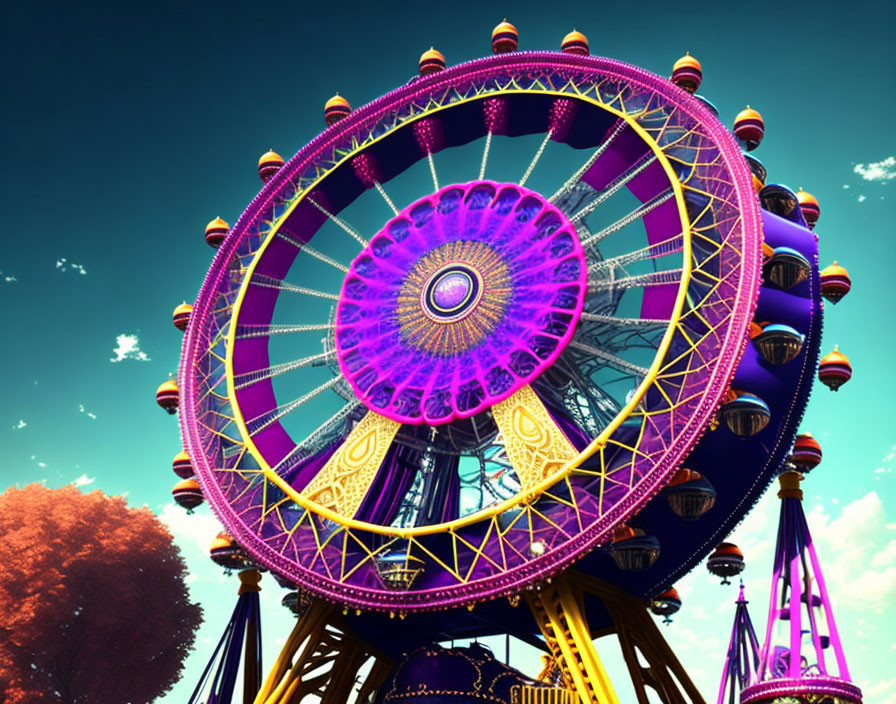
93, 604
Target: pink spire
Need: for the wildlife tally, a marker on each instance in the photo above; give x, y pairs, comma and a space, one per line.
801, 633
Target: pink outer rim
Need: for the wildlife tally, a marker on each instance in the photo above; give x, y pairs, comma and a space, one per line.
519, 382
561, 557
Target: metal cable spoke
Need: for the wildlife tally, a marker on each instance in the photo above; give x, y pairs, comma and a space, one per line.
281, 285
653, 251
382, 192
611, 359
259, 423
309, 250
604, 195
654, 278
488, 145
301, 450
241, 381
344, 226
432, 170
541, 148
598, 153
636, 214
246, 332
625, 322
320, 256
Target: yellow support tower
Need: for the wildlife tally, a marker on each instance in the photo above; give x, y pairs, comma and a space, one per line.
322, 658
638, 635
558, 611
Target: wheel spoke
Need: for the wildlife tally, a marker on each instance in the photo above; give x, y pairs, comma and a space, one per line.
625, 322
654, 278
259, 423
611, 359
432, 170
309, 250
541, 148
636, 214
341, 224
306, 446
613, 188
488, 145
382, 192
241, 381
574, 179
281, 285
654, 251
247, 332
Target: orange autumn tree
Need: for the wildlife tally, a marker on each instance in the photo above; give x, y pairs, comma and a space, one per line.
93, 604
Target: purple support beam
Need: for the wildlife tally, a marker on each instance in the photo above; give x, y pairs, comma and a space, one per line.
742, 659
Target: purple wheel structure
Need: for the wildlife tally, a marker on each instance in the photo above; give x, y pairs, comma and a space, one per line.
504, 387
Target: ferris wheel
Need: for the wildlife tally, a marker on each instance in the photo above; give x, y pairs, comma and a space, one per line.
529, 312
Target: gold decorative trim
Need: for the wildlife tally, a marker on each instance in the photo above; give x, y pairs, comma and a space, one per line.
535, 446
345, 479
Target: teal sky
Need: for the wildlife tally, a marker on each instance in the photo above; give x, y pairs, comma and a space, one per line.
127, 128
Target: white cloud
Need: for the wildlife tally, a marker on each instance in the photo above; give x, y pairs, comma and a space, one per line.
18, 426
856, 546
63, 265
8, 278
757, 534
886, 466
857, 550
128, 347
878, 171
193, 534
862, 198
84, 480
882, 691
82, 410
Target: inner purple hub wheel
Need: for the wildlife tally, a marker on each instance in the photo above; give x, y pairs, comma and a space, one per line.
461, 299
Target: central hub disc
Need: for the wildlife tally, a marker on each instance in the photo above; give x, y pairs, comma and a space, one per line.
461, 299
451, 293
